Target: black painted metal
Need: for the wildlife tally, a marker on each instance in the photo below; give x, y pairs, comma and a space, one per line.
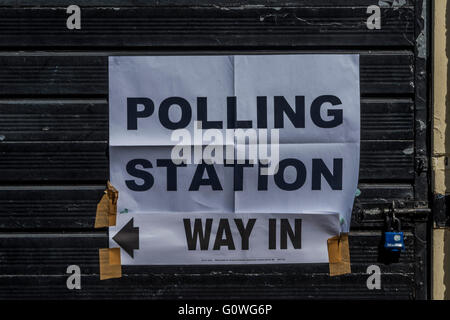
54, 137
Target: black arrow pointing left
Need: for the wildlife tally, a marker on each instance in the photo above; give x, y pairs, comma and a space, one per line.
128, 238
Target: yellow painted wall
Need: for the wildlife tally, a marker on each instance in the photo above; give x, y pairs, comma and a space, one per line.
441, 145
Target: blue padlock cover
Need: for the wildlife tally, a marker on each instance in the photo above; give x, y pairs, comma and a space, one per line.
391, 244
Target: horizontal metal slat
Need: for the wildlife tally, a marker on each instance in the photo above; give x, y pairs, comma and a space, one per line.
224, 4
163, 26
382, 73
78, 161
74, 207
44, 261
59, 120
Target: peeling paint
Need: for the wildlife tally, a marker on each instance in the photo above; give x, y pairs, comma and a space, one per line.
421, 40
399, 3
221, 8
391, 4
408, 150
243, 7
324, 24
422, 125
275, 16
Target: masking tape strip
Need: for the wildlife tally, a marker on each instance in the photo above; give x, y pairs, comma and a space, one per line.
339, 255
110, 264
107, 208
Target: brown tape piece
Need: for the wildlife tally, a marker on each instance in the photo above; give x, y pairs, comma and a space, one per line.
110, 265
107, 208
339, 255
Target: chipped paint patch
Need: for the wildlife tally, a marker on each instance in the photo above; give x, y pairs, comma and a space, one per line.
422, 125
408, 150
275, 16
391, 4
421, 40
384, 4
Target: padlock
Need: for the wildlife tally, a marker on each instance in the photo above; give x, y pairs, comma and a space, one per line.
394, 239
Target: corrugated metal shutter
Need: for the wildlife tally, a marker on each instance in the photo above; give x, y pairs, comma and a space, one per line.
54, 138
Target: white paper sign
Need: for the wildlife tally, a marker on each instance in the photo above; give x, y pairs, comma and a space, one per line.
265, 137
194, 238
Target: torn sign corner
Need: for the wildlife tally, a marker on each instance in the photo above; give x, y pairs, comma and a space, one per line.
339, 255
107, 208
